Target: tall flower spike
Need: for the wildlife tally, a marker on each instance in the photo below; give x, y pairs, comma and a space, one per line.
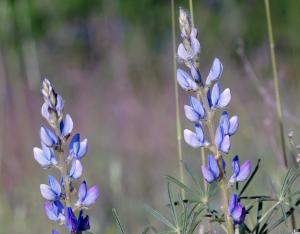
240, 173
211, 172
236, 210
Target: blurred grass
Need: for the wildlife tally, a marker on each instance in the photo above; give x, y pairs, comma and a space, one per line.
112, 62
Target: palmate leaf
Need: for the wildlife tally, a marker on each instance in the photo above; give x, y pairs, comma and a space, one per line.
197, 181
159, 217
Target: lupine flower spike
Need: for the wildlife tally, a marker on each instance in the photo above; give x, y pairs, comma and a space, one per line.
59, 206
201, 111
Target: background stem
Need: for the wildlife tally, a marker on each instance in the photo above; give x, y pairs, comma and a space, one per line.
178, 123
277, 94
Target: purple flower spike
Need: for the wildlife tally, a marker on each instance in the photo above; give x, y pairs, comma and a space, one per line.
195, 111
240, 173
45, 156
215, 72
195, 139
66, 126
87, 197
217, 99
236, 210
52, 191
186, 81
55, 211
77, 148
75, 225
48, 137
211, 172
76, 170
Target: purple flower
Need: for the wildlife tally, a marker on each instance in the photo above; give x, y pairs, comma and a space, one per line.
195, 139
211, 172
236, 210
217, 99
87, 197
189, 54
52, 191
222, 140
229, 126
196, 74
186, 81
195, 111
55, 211
75, 170
77, 148
215, 72
75, 225
54, 232
45, 156
66, 126
240, 173
48, 137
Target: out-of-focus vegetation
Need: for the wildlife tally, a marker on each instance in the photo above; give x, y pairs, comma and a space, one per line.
112, 60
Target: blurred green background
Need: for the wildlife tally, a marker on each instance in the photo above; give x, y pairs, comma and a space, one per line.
111, 60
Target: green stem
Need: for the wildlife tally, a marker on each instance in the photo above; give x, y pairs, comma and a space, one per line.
277, 93
191, 11
178, 123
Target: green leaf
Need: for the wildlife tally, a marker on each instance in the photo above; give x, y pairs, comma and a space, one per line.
116, 218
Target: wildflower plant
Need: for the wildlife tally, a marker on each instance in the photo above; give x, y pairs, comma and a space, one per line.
65, 202
213, 130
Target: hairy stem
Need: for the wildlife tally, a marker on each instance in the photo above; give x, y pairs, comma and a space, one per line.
178, 123
277, 93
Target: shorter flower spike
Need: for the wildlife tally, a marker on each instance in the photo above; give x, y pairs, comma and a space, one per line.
236, 210
55, 211
217, 99
240, 173
195, 139
211, 172
52, 191
215, 72
87, 197
186, 81
75, 225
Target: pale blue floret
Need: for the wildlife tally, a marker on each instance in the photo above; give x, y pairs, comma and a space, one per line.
186, 81
215, 72
77, 148
195, 139
195, 111
45, 156
66, 126
217, 99
55, 211
87, 197
222, 141
240, 173
75, 170
236, 210
211, 172
52, 191
229, 126
48, 137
